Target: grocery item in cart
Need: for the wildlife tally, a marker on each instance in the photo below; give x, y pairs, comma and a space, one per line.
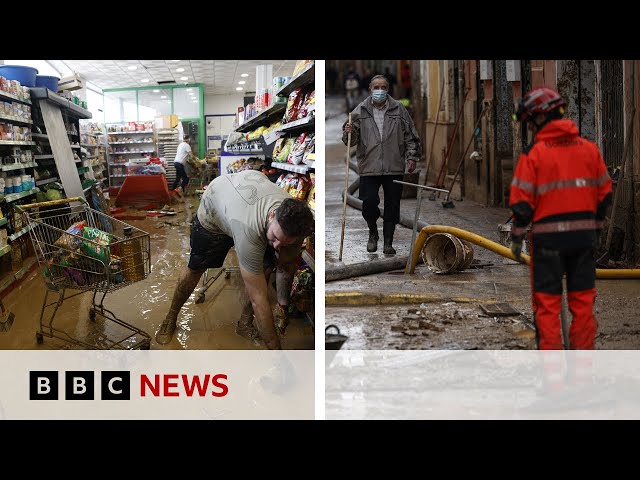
70, 239
98, 247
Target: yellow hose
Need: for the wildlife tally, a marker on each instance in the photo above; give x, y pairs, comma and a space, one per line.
500, 250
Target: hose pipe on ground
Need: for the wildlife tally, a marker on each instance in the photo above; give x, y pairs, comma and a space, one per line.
613, 274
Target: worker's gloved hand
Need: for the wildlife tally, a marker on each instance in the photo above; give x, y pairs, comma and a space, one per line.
516, 249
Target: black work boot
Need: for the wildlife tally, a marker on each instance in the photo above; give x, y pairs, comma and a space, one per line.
372, 244
388, 228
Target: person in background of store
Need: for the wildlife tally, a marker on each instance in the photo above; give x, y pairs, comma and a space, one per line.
183, 155
382, 158
266, 226
561, 184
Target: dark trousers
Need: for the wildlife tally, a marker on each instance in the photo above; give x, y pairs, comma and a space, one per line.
369, 188
180, 174
547, 270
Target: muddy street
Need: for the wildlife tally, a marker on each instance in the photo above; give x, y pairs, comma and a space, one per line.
376, 317
144, 304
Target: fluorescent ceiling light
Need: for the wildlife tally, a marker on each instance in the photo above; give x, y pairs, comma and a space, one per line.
163, 96
241, 82
238, 88
244, 75
189, 89
144, 80
184, 78
132, 67
179, 69
156, 91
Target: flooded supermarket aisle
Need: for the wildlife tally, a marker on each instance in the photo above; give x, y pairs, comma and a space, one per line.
144, 304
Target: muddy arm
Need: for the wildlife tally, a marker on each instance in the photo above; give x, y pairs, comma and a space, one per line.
256, 287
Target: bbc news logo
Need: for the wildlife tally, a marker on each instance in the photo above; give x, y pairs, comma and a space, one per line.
116, 385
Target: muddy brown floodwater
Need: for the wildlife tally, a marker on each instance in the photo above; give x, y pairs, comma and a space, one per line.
208, 325
443, 324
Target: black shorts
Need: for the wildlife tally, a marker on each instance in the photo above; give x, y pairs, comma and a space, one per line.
208, 250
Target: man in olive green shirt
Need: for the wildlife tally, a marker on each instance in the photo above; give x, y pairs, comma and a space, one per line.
267, 227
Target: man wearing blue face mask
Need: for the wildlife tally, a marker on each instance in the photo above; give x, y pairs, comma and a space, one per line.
387, 142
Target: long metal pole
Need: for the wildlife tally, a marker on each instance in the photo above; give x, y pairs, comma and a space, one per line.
346, 186
417, 215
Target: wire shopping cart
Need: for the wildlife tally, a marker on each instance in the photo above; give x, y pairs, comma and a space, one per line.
79, 248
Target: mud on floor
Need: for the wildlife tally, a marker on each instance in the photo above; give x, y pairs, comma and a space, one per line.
447, 326
144, 304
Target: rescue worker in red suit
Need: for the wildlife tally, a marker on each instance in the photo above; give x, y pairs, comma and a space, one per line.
561, 186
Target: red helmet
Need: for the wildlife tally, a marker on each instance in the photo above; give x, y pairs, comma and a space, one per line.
538, 100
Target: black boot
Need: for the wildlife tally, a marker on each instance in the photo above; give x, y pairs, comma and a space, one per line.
372, 244
388, 228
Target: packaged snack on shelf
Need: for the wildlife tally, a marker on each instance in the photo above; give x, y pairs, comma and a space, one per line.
293, 105
284, 154
302, 189
298, 149
280, 180
302, 290
311, 148
293, 185
278, 147
311, 197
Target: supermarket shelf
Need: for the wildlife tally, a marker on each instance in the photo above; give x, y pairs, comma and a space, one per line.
44, 136
9, 96
74, 134
11, 118
127, 143
90, 158
42, 93
306, 256
45, 181
3, 221
262, 117
82, 170
4, 250
21, 232
18, 166
306, 76
118, 176
12, 197
311, 164
15, 142
89, 145
76, 146
302, 168
42, 157
126, 153
303, 122
129, 133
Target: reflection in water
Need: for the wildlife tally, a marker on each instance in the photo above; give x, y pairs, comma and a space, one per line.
208, 325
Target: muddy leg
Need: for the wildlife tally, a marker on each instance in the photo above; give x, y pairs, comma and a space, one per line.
187, 283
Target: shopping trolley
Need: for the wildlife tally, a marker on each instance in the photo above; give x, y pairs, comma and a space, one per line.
83, 250
208, 282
